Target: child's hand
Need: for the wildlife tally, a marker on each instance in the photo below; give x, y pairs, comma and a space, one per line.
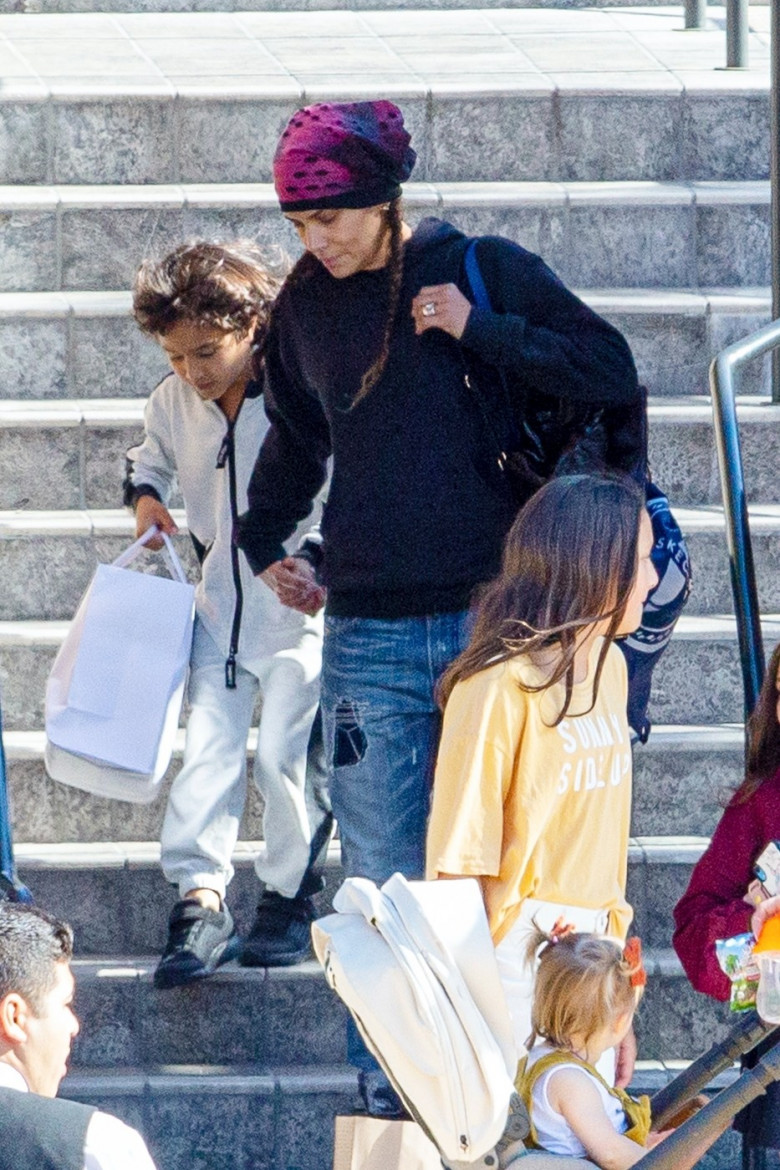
768, 909
654, 1138
149, 511
294, 583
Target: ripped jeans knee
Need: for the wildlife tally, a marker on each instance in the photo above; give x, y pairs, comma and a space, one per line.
349, 738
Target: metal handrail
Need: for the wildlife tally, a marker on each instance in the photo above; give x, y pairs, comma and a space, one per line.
726, 365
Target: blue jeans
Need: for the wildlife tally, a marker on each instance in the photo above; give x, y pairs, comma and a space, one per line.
381, 729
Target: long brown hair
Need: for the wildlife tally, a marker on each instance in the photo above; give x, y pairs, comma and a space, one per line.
308, 265
569, 561
228, 286
763, 734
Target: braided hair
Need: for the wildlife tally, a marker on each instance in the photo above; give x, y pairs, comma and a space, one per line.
395, 270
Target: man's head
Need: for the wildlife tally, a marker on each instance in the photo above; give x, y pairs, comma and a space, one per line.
37, 1024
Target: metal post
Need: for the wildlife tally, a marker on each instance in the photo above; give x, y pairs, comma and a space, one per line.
774, 173
736, 34
695, 13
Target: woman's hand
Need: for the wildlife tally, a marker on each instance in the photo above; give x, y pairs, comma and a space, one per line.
768, 909
294, 583
441, 306
149, 511
625, 1059
755, 894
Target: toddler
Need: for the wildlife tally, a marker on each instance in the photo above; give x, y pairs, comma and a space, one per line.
585, 995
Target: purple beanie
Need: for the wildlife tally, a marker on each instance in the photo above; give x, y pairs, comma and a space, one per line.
342, 154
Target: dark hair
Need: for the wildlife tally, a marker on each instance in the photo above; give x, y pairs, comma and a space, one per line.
32, 942
763, 735
583, 983
228, 286
570, 561
308, 265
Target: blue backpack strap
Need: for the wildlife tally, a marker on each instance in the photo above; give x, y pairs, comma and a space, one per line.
474, 277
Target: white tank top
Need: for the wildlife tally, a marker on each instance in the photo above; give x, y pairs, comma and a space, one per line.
553, 1132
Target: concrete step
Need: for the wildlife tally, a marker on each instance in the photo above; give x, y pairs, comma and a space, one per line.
49, 558
294, 7
118, 902
652, 234
84, 345
505, 93
289, 1016
263, 1019
177, 1107
704, 648
82, 445
201, 1117
680, 778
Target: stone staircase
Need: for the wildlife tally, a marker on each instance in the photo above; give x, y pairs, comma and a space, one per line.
608, 141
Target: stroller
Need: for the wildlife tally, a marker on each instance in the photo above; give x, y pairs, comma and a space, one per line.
425, 1001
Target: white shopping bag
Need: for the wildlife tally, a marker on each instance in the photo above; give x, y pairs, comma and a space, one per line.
370, 1143
115, 691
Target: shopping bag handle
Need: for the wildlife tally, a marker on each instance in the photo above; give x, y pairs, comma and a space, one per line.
129, 555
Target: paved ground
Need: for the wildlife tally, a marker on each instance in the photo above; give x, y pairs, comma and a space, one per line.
406, 52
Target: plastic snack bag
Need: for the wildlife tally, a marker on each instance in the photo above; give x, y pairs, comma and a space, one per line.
735, 956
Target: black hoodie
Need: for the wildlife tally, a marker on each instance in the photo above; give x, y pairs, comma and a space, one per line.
417, 509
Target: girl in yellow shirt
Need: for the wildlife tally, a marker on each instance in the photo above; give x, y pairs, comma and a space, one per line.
532, 792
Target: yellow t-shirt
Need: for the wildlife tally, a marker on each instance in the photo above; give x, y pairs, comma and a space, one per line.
537, 811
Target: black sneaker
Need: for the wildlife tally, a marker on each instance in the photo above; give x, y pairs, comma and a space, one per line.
199, 940
378, 1096
281, 932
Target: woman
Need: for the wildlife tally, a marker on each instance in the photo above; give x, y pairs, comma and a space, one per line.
368, 360
533, 780
724, 899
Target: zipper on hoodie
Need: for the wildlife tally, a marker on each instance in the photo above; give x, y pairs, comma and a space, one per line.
227, 457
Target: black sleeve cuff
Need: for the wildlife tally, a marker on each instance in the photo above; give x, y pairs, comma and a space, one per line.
132, 493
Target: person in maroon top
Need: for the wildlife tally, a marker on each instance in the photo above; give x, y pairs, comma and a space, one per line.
722, 899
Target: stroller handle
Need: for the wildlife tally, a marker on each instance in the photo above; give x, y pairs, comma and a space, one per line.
744, 1036
683, 1148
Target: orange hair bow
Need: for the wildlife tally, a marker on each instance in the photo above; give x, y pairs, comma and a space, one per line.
632, 956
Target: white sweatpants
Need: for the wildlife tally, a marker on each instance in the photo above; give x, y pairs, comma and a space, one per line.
207, 797
517, 974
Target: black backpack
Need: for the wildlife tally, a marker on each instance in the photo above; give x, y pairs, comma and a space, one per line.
538, 436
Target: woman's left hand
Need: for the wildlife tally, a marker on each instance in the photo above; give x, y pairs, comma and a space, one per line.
441, 306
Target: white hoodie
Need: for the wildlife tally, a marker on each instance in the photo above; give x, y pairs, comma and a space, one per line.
185, 437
